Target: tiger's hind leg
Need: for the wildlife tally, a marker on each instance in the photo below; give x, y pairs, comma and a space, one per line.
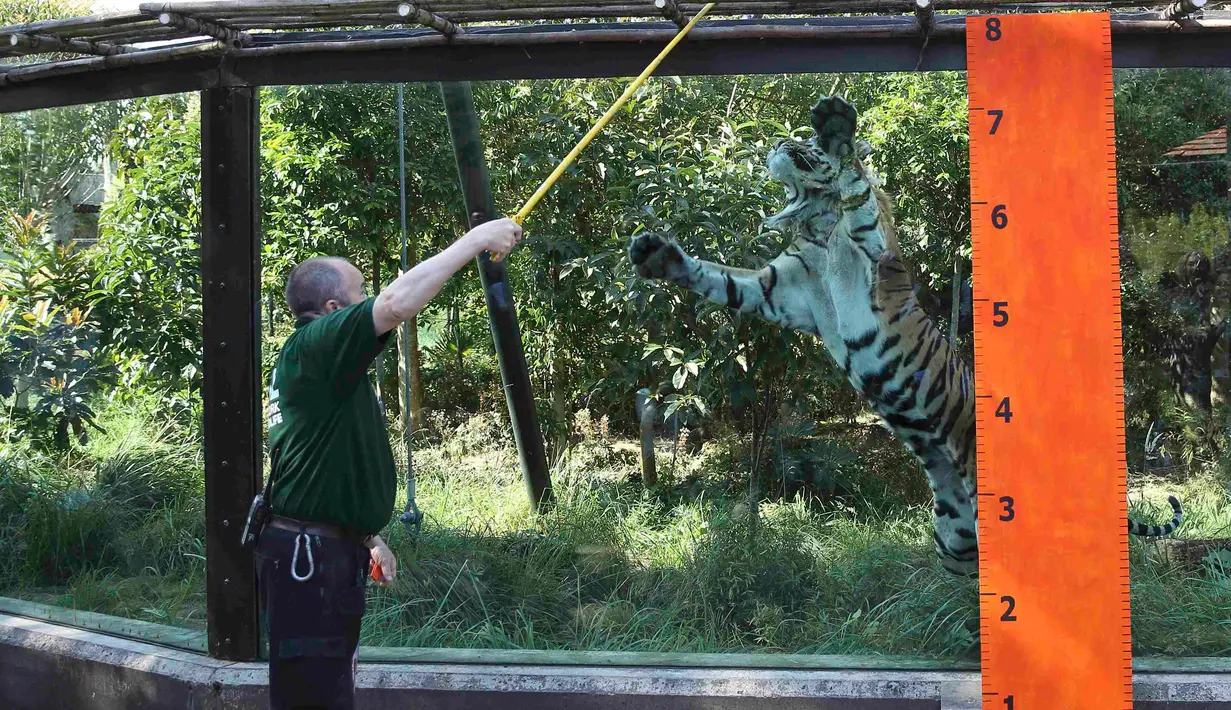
933, 413
955, 529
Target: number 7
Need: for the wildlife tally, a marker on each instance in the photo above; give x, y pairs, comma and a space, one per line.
999, 114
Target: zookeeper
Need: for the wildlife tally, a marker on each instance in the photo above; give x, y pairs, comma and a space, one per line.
333, 477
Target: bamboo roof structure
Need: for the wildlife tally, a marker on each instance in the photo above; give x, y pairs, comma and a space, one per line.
208, 35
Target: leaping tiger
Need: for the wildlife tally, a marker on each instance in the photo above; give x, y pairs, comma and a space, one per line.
841, 280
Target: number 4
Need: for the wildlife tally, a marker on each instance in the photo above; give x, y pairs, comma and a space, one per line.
1004, 412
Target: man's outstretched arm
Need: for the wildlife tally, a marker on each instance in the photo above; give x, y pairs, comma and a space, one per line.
411, 291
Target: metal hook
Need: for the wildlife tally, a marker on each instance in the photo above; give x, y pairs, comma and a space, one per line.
412, 519
295, 559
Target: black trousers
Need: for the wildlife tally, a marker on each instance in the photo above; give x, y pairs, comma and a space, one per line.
314, 623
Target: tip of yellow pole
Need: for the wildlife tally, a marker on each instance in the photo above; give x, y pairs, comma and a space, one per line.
602, 122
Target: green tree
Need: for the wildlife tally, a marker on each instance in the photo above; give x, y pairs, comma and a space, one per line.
148, 258
1159, 109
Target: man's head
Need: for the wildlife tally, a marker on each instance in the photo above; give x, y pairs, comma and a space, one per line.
323, 284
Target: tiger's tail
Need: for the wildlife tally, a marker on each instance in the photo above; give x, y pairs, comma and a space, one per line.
1147, 530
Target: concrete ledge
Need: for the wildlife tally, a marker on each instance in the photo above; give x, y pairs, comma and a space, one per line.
45, 666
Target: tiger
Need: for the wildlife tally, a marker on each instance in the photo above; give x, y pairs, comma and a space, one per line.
843, 280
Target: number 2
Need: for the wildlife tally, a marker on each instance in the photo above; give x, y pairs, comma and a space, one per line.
1011, 604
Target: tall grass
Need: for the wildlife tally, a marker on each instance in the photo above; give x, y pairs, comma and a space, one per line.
117, 527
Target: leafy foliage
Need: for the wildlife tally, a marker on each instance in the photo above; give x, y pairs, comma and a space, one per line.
149, 258
52, 360
1157, 110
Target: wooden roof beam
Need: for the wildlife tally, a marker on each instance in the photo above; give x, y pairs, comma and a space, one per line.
1181, 9
36, 43
127, 59
231, 37
925, 15
75, 25
671, 10
234, 8
419, 16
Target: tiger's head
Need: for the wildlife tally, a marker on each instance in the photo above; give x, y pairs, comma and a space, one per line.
809, 170
815, 171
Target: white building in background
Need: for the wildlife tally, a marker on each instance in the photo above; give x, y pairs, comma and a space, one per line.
74, 213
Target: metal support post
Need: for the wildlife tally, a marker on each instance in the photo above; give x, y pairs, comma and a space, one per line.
231, 362
480, 208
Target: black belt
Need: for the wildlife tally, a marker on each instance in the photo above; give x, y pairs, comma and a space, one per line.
318, 529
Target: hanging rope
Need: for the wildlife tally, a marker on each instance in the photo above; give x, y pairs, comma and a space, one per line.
411, 517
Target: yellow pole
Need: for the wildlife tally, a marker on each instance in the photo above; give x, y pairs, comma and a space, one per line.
602, 122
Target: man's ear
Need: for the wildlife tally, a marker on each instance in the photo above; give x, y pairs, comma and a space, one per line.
331, 306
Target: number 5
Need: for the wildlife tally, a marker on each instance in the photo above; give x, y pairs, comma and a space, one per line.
1000, 314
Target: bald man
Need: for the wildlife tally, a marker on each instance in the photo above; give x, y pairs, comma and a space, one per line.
333, 481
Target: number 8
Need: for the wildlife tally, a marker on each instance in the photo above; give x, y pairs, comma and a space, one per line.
993, 29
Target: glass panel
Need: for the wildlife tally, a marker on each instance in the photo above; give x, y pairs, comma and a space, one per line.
824, 549
1176, 281
101, 485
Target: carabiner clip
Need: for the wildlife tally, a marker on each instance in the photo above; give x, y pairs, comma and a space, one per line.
295, 559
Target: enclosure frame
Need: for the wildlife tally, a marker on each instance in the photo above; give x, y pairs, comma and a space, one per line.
770, 46
230, 266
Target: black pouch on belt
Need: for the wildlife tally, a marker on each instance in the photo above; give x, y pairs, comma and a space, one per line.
258, 515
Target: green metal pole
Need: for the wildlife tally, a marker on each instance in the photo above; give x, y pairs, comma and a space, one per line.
481, 207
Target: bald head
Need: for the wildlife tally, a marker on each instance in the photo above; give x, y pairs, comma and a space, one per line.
323, 284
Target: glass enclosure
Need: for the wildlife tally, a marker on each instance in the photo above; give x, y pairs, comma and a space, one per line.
781, 517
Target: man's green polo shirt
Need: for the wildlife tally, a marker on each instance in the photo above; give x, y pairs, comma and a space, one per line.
327, 440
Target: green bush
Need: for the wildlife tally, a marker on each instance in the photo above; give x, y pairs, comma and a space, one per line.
1160, 243
52, 359
148, 260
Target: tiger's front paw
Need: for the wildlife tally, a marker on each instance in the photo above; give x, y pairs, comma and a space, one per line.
655, 256
834, 121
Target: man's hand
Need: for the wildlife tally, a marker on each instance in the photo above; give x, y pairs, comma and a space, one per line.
383, 556
411, 291
498, 237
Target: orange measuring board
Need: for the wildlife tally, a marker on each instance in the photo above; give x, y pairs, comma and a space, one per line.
1053, 583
